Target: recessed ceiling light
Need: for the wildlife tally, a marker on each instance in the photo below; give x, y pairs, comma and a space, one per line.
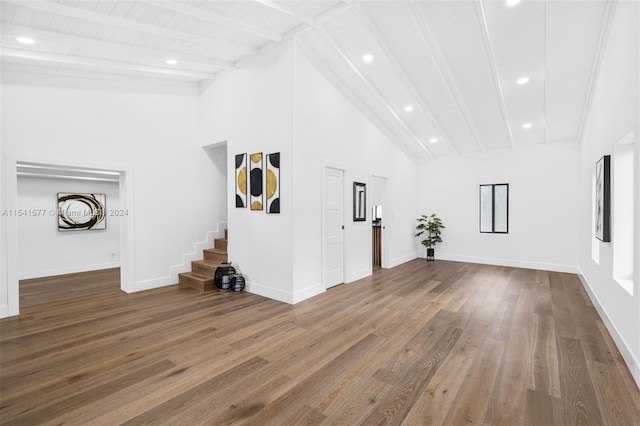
512, 2
408, 108
433, 140
522, 80
367, 57
25, 40
527, 125
171, 61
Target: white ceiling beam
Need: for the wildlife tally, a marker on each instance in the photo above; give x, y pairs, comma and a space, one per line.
329, 39
547, 32
494, 69
299, 30
348, 93
216, 19
288, 10
595, 70
113, 21
53, 176
370, 28
446, 75
100, 63
67, 40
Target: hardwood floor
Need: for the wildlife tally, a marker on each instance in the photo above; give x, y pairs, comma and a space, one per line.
424, 343
36, 291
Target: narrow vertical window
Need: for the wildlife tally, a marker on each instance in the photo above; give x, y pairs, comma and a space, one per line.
494, 208
623, 171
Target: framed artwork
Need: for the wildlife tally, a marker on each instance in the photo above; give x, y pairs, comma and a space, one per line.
241, 180
273, 183
255, 181
603, 199
359, 202
81, 212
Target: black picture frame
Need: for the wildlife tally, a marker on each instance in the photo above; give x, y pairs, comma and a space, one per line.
603, 199
359, 202
82, 212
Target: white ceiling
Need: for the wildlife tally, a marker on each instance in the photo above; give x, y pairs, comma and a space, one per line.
455, 62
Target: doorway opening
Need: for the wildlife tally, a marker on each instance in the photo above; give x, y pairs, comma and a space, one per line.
120, 175
379, 221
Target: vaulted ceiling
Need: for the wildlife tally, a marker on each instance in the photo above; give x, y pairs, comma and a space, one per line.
437, 77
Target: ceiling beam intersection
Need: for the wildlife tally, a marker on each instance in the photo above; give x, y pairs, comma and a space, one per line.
322, 31
99, 18
447, 75
595, 70
352, 97
370, 28
216, 19
68, 40
288, 10
494, 69
100, 63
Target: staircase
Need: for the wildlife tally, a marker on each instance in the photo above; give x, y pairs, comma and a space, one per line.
202, 271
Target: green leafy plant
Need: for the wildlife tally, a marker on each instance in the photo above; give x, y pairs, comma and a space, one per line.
432, 226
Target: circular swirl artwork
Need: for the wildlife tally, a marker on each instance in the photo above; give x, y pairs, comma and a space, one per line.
78, 212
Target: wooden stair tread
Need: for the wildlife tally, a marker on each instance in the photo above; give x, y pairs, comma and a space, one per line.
207, 262
202, 271
195, 281
215, 250
196, 276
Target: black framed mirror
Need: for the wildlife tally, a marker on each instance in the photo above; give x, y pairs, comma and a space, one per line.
359, 201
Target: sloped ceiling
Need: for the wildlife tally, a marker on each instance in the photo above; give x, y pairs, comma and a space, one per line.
443, 79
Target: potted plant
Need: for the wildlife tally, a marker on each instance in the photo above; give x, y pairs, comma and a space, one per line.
432, 226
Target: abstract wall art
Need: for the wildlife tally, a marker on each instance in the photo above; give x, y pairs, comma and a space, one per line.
81, 212
603, 199
255, 181
241, 180
273, 183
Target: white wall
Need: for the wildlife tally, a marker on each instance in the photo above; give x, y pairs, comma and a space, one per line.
329, 128
43, 250
614, 113
543, 206
279, 103
176, 184
251, 109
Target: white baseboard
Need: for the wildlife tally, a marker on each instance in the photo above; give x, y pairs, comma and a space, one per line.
269, 292
308, 293
69, 270
514, 263
630, 359
196, 254
402, 259
154, 283
185, 266
355, 276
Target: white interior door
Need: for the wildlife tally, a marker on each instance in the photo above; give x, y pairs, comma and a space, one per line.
333, 213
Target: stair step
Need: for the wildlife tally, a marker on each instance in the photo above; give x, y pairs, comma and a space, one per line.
205, 268
196, 281
220, 243
215, 255
202, 272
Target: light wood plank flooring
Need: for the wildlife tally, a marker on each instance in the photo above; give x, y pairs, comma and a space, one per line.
424, 343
